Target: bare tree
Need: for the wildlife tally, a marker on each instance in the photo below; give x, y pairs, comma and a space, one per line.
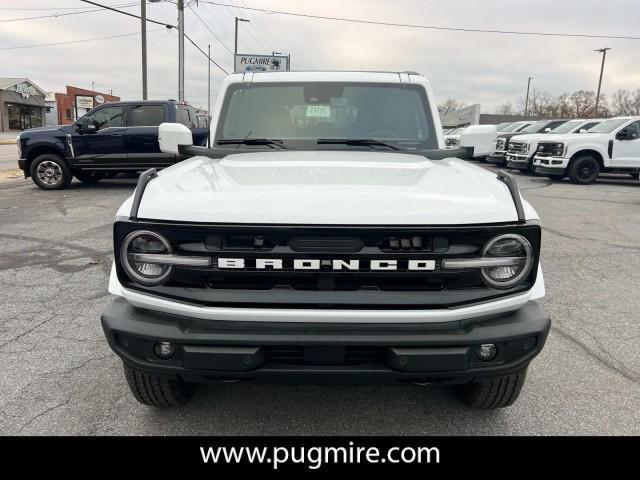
506, 108
626, 102
450, 105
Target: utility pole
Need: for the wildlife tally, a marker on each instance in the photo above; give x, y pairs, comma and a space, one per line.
209, 94
604, 54
235, 47
526, 101
93, 87
143, 26
181, 50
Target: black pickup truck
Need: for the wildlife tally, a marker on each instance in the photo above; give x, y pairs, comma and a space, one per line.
111, 138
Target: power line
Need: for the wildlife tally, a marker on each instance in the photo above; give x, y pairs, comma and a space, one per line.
167, 25
210, 31
268, 37
66, 14
424, 27
225, 27
77, 41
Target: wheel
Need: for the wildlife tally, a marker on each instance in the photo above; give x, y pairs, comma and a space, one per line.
557, 176
50, 172
89, 177
156, 390
584, 170
498, 392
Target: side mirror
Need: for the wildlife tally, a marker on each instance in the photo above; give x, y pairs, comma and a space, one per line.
482, 138
547, 130
624, 134
172, 135
86, 125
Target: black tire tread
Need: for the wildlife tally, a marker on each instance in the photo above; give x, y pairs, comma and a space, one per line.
156, 390
493, 393
573, 169
67, 175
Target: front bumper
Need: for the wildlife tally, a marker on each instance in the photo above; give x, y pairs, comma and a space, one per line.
207, 350
554, 164
518, 160
497, 157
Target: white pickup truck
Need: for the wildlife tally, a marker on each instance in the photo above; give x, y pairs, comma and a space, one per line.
612, 146
326, 236
522, 148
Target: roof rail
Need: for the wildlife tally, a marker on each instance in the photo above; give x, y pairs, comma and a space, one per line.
511, 183
143, 180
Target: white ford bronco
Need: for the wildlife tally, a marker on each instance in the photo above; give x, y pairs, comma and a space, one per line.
612, 146
327, 236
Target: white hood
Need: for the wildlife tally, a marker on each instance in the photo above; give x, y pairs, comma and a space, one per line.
327, 188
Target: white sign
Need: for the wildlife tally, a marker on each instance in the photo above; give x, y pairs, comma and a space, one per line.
84, 102
99, 99
261, 63
26, 89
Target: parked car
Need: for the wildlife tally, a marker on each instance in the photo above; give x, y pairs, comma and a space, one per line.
111, 138
502, 141
452, 138
522, 148
612, 146
502, 144
308, 245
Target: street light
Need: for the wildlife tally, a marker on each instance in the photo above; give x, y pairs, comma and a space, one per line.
526, 101
604, 54
235, 49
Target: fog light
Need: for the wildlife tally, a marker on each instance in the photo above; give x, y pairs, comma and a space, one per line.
486, 352
164, 349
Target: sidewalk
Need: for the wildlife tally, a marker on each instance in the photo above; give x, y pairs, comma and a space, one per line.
8, 138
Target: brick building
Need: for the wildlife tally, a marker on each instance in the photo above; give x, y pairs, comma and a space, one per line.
77, 101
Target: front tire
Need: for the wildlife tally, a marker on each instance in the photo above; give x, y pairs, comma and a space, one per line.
50, 172
156, 390
584, 170
498, 392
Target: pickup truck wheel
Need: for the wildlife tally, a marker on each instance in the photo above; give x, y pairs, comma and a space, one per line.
156, 390
50, 172
584, 170
498, 392
89, 177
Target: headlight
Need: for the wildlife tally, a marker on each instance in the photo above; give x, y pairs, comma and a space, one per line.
558, 150
513, 260
145, 242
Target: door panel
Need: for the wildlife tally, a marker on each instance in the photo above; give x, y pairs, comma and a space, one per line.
105, 147
626, 153
141, 139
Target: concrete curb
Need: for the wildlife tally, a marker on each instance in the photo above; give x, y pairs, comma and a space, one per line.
7, 142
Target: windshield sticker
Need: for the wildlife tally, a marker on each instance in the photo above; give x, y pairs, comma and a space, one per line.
318, 111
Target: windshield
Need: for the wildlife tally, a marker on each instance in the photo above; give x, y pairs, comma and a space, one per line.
513, 127
501, 126
535, 127
567, 127
608, 126
302, 113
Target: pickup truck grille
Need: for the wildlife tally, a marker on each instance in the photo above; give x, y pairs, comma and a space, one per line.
326, 287
517, 147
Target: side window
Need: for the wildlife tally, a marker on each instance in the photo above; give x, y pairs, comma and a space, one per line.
553, 125
634, 129
146, 115
183, 117
587, 126
109, 117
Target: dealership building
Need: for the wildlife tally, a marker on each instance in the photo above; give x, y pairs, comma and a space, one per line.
22, 104
77, 101
471, 116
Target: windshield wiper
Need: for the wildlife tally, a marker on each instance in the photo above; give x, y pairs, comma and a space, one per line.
252, 141
365, 142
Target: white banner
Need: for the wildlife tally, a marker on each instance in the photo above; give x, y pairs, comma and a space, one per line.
84, 102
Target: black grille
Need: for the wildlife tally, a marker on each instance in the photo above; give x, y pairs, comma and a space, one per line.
327, 288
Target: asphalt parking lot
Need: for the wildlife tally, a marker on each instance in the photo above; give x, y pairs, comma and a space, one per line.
59, 376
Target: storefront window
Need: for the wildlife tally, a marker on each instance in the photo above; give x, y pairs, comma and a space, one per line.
24, 116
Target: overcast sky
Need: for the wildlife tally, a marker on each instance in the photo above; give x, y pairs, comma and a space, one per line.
474, 67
